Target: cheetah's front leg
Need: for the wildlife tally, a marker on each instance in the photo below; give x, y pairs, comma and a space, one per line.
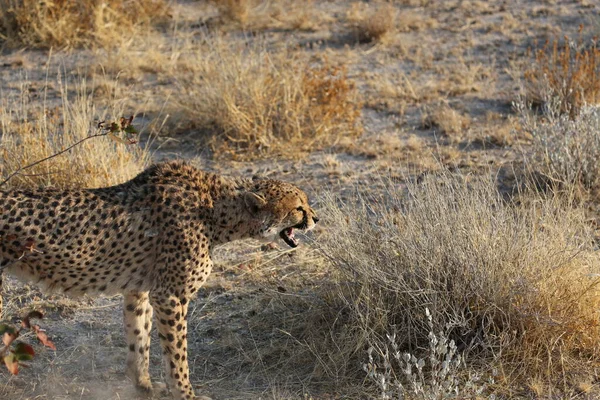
171, 315
137, 313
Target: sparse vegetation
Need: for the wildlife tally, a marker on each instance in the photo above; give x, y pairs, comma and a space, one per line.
515, 284
14, 353
31, 134
63, 23
447, 121
258, 103
568, 71
235, 10
565, 149
434, 375
372, 25
331, 95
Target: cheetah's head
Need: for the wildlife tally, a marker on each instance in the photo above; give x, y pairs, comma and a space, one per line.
281, 209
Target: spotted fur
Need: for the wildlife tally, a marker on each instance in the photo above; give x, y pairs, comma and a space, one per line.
150, 239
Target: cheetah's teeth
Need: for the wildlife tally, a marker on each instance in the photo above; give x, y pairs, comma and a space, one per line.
288, 236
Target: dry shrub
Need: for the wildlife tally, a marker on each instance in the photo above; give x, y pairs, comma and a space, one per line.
236, 10
499, 130
257, 15
369, 26
32, 133
448, 121
514, 285
569, 71
149, 54
66, 23
565, 149
261, 103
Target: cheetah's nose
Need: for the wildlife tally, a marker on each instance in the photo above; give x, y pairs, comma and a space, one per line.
315, 219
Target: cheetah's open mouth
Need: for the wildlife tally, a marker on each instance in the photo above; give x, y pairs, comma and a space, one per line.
288, 236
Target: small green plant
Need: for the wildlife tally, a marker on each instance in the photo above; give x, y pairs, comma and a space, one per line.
14, 352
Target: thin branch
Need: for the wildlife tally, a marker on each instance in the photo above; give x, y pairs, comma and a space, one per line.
18, 171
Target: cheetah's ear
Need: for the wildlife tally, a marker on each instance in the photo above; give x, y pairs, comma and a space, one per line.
254, 202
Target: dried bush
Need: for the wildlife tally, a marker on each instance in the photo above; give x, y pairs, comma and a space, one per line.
448, 121
369, 26
32, 133
260, 102
235, 10
569, 72
565, 149
66, 23
514, 285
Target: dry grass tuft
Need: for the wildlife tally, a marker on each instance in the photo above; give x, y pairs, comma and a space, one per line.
514, 285
257, 102
413, 21
569, 72
448, 121
566, 149
63, 23
32, 133
304, 16
258, 15
372, 25
235, 10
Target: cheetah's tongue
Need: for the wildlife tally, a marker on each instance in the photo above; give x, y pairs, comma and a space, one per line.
288, 236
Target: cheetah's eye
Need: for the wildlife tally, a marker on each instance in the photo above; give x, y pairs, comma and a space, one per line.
297, 210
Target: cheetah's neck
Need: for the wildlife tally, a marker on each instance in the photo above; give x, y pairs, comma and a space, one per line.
230, 220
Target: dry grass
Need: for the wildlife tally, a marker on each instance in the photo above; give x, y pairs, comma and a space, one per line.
465, 77
510, 279
258, 15
372, 25
514, 285
400, 89
569, 72
397, 148
31, 133
448, 121
258, 102
63, 23
413, 21
236, 10
565, 149
396, 90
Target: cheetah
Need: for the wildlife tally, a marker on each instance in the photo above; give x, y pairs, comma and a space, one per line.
150, 239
